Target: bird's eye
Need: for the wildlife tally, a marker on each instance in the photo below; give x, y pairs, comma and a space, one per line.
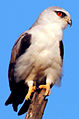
60, 14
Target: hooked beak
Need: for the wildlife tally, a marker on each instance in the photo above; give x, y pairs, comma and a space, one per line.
69, 21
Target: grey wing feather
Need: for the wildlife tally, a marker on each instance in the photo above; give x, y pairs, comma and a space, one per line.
18, 90
19, 48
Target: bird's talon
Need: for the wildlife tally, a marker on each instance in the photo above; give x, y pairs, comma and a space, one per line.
47, 87
30, 91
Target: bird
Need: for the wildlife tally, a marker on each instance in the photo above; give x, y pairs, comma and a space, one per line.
37, 57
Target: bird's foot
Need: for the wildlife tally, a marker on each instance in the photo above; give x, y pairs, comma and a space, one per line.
47, 87
30, 91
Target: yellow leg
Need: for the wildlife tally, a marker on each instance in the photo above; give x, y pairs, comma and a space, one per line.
47, 87
30, 91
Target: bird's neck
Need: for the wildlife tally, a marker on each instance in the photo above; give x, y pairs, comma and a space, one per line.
53, 30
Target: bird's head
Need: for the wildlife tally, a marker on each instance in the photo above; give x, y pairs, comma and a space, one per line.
55, 15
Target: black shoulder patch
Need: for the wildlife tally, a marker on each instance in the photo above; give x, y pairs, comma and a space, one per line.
61, 49
25, 43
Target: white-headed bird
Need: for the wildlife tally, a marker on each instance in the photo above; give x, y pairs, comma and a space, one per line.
37, 56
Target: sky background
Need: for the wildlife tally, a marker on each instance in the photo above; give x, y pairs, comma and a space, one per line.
16, 16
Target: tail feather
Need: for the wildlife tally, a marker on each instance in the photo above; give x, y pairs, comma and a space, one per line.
9, 100
17, 95
25, 107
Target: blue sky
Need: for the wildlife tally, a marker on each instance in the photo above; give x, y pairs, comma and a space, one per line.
16, 16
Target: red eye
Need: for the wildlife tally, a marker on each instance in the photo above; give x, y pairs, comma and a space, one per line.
59, 14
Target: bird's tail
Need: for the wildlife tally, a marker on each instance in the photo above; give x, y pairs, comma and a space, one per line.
17, 97
9, 100
15, 104
12, 100
25, 107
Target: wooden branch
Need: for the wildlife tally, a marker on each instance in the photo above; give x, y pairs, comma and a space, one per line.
37, 105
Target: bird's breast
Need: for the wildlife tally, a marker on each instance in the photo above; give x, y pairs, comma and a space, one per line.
42, 53
46, 54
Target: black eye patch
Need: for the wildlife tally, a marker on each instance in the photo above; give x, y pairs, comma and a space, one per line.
60, 13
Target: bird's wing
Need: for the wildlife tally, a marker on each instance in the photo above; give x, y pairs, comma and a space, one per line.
19, 48
61, 49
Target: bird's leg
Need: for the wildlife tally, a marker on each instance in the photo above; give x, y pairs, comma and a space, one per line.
47, 87
31, 90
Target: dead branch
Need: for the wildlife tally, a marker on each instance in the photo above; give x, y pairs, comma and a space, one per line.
37, 106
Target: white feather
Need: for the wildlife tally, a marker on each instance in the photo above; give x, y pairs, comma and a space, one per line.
43, 56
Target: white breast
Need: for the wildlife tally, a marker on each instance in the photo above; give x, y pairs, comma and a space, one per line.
43, 52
